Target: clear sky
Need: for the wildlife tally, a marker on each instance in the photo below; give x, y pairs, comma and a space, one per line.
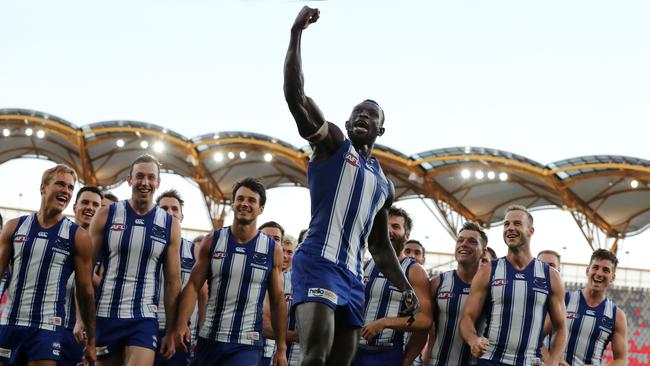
548, 80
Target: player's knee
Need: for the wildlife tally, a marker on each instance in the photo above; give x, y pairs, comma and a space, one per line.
314, 357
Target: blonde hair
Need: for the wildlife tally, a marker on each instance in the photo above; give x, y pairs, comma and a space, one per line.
49, 174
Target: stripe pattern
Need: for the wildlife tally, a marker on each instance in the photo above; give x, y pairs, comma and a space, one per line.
517, 305
42, 264
188, 260
133, 253
237, 284
449, 348
383, 300
346, 193
590, 329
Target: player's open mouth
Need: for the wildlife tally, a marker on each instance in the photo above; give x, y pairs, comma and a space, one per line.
62, 198
597, 280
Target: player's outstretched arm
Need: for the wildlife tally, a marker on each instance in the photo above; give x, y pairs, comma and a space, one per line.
557, 313
84, 290
278, 308
619, 340
473, 308
6, 246
199, 275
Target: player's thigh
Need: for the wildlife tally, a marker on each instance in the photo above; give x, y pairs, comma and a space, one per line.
138, 356
345, 343
315, 323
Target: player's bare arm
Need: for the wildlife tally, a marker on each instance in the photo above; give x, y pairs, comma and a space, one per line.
619, 340
191, 291
325, 137
473, 308
278, 308
84, 290
418, 279
6, 246
557, 314
420, 338
172, 270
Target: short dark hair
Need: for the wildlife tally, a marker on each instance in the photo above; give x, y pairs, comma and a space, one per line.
493, 254
145, 158
472, 226
521, 208
302, 235
400, 212
272, 224
604, 254
110, 196
416, 242
551, 252
252, 184
171, 193
92, 189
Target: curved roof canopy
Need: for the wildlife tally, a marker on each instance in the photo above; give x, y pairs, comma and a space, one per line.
612, 192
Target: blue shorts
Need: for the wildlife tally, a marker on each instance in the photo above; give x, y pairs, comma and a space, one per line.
266, 361
179, 358
482, 362
382, 357
71, 352
21, 344
316, 279
115, 334
213, 353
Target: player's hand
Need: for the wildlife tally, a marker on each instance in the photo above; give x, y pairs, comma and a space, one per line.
90, 354
280, 359
372, 329
479, 346
168, 346
182, 337
79, 332
306, 16
412, 305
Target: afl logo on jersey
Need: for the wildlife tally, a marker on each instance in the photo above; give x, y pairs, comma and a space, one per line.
572, 315
499, 282
351, 159
444, 295
118, 227
20, 239
219, 255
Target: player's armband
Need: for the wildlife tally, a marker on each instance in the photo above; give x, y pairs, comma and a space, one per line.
320, 134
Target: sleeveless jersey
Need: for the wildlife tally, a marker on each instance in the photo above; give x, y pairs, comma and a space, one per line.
42, 264
449, 348
237, 283
187, 263
383, 300
516, 306
346, 193
590, 329
134, 251
293, 348
70, 304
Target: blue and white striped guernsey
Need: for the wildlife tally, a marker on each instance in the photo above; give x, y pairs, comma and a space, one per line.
134, 251
516, 307
42, 264
449, 348
70, 305
237, 283
187, 263
293, 348
383, 300
590, 329
346, 193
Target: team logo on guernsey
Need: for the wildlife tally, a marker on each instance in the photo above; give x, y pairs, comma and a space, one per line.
118, 227
572, 315
351, 159
20, 239
607, 323
259, 258
499, 282
324, 293
187, 263
159, 232
540, 283
62, 243
444, 295
219, 255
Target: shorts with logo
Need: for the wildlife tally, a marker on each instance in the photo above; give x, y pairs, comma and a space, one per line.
19, 344
71, 351
379, 357
214, 353
114, 334
179, 358
316, 279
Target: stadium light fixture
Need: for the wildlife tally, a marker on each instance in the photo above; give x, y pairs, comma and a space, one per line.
479, 174
503, 176
40, 134
468, 149
6, 132
465, 174
491, 175
268, 157
634, 183
218, 157
231, 155
242, 155
144, 144
28, 131
158, 146
216, 137
119, 143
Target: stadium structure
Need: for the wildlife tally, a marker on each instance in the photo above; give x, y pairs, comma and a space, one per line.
608, 196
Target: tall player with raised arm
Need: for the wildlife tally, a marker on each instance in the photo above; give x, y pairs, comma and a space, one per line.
350, 197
